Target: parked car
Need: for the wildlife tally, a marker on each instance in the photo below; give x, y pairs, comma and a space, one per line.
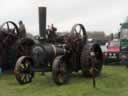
112, 52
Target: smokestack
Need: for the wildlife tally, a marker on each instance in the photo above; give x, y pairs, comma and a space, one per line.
42, 21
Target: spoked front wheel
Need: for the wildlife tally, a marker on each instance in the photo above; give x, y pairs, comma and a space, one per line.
23, 70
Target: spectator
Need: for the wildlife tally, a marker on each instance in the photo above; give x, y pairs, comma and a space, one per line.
22, 29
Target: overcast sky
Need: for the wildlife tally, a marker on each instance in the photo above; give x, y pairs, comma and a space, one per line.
96, 15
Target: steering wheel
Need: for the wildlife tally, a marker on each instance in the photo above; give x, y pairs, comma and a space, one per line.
79, 30
11, 27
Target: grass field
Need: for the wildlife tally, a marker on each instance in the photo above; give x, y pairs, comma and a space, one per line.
112, 82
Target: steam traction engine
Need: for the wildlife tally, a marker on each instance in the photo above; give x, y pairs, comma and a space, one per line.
73, 55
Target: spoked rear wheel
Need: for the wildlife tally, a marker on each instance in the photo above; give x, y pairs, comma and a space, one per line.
59, 71
23, 70
92, 61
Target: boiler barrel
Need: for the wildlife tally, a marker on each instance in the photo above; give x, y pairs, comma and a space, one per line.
45, 53
53, 51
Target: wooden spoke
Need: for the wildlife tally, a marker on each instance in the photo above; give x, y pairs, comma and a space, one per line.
27, 77
8, 26
22, 66
80, 30
22, 77
75, 31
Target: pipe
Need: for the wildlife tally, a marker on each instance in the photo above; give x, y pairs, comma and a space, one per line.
42, 22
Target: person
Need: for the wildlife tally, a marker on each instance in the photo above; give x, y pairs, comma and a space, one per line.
54, 29
52, 32
22, 29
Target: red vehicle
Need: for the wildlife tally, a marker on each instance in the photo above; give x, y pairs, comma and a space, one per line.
112, 52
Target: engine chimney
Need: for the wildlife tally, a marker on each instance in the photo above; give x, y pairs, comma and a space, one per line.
42, 22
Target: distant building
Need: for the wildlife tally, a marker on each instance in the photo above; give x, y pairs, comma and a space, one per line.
98, 36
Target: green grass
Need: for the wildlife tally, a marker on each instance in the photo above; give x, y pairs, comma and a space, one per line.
112, 82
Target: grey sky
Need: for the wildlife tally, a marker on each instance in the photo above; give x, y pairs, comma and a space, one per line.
101, 15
